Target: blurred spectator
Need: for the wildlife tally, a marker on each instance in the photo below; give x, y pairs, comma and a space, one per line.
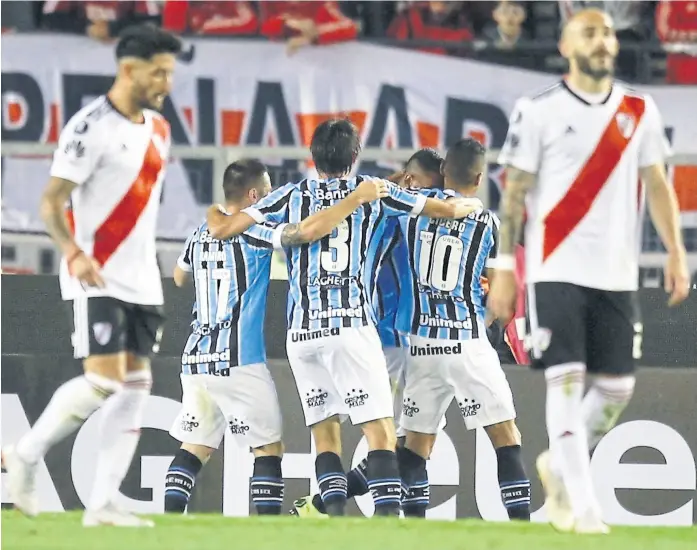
505, 33
220, 17
444, 21
100, 20
374, 15
18, 16
508, 29
676, 23
305, 23
630, 27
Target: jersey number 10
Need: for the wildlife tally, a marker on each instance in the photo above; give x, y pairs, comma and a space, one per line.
336, 259
439, 262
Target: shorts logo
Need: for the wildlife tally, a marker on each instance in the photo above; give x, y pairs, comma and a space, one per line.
316, 398
102, 333
409, 407
356, 398
188, 423
469, 408
237, 427
305, 336
417, 351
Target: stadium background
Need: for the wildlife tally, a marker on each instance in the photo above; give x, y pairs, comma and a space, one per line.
245, 95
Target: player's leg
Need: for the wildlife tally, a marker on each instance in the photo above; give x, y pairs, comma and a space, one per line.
426, 398
558, 317
122, 417
99, 338
614, 343
357, 366
200, 426
322, 406
181, 476
513, 480
249, 402
485, 401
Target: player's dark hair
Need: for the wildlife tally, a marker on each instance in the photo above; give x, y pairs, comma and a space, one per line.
335, 146
145, 40
430, 161
463, 160
240, 177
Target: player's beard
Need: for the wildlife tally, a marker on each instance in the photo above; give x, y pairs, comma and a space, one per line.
584, 65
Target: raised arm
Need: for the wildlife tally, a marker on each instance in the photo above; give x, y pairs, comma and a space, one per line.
451, 208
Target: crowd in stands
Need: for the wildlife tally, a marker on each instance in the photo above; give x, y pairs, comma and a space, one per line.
657, 37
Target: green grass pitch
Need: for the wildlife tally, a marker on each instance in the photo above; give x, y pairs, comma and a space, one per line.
209, 532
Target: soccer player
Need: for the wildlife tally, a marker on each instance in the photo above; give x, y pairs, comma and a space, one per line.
110, 164
584, 153
422, 170
441, 308
225, 381
333, 347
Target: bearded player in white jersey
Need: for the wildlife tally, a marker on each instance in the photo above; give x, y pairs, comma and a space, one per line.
584, 153
110, 163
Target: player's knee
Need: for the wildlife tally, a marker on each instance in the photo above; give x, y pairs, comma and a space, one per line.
136, 363
380, 434
112, 366
503, 434
201, 452
271, 449
420, 443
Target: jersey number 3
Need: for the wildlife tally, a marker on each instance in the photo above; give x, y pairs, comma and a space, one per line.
439, 262
337, 257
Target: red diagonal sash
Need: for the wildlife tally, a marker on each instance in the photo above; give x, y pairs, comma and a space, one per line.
577, 201
125, 215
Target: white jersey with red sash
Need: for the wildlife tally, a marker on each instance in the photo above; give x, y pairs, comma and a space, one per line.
118, 167
585, 212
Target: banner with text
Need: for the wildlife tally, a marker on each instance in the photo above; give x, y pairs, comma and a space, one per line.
252, 93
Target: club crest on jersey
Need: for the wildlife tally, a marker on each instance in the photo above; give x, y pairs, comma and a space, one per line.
626, 123
102, 333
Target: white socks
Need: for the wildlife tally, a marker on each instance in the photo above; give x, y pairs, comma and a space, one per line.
568, 440
120, 432
604, 403
69, 407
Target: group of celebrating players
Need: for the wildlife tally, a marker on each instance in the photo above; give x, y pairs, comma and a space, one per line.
386, 293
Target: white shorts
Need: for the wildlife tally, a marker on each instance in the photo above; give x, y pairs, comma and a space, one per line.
246, 401
469, 371
340, 371
396, 359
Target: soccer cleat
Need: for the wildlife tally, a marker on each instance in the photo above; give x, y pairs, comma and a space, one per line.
303, 508
591, 523
21, 482
111, 515
557, 503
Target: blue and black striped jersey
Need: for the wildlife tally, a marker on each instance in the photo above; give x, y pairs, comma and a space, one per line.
327, 288
440, 276
231, 279
383, 283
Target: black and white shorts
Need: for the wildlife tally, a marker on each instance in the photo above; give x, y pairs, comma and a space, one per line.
573, 324
102, 325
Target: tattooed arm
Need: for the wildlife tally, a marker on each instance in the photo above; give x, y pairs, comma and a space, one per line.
512, 210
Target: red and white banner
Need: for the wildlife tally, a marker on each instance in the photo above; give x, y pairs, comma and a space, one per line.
241, 92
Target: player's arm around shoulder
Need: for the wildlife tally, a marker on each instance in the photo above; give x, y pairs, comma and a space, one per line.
323, 222
453, 207
222, 225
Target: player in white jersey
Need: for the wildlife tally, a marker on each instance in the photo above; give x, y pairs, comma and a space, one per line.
584, 153
110, 163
